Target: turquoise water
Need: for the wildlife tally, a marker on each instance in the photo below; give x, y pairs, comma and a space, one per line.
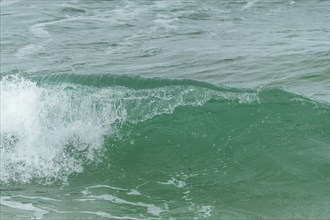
165, 109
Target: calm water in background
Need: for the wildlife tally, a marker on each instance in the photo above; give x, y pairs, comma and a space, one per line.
164, 109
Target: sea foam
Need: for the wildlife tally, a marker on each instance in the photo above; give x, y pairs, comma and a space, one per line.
50, 133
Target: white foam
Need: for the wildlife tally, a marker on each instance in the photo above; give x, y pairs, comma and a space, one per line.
134, 192
108, 215
39, 31
38, 213
205, 211
28, 50
174, 182
49, 133
37, 197
106, 186
151, 208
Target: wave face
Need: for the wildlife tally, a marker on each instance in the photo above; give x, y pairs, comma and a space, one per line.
153, 144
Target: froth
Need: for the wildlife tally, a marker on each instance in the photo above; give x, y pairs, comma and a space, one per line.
50, 133
38, 212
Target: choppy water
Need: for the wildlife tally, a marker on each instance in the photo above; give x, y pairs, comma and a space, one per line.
173, 109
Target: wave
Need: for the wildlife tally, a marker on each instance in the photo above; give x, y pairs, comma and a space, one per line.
55, 126
51, 131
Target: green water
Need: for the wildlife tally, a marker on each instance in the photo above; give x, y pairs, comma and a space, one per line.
164, 109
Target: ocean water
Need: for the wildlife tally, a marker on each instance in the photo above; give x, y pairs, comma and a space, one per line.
167, 109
